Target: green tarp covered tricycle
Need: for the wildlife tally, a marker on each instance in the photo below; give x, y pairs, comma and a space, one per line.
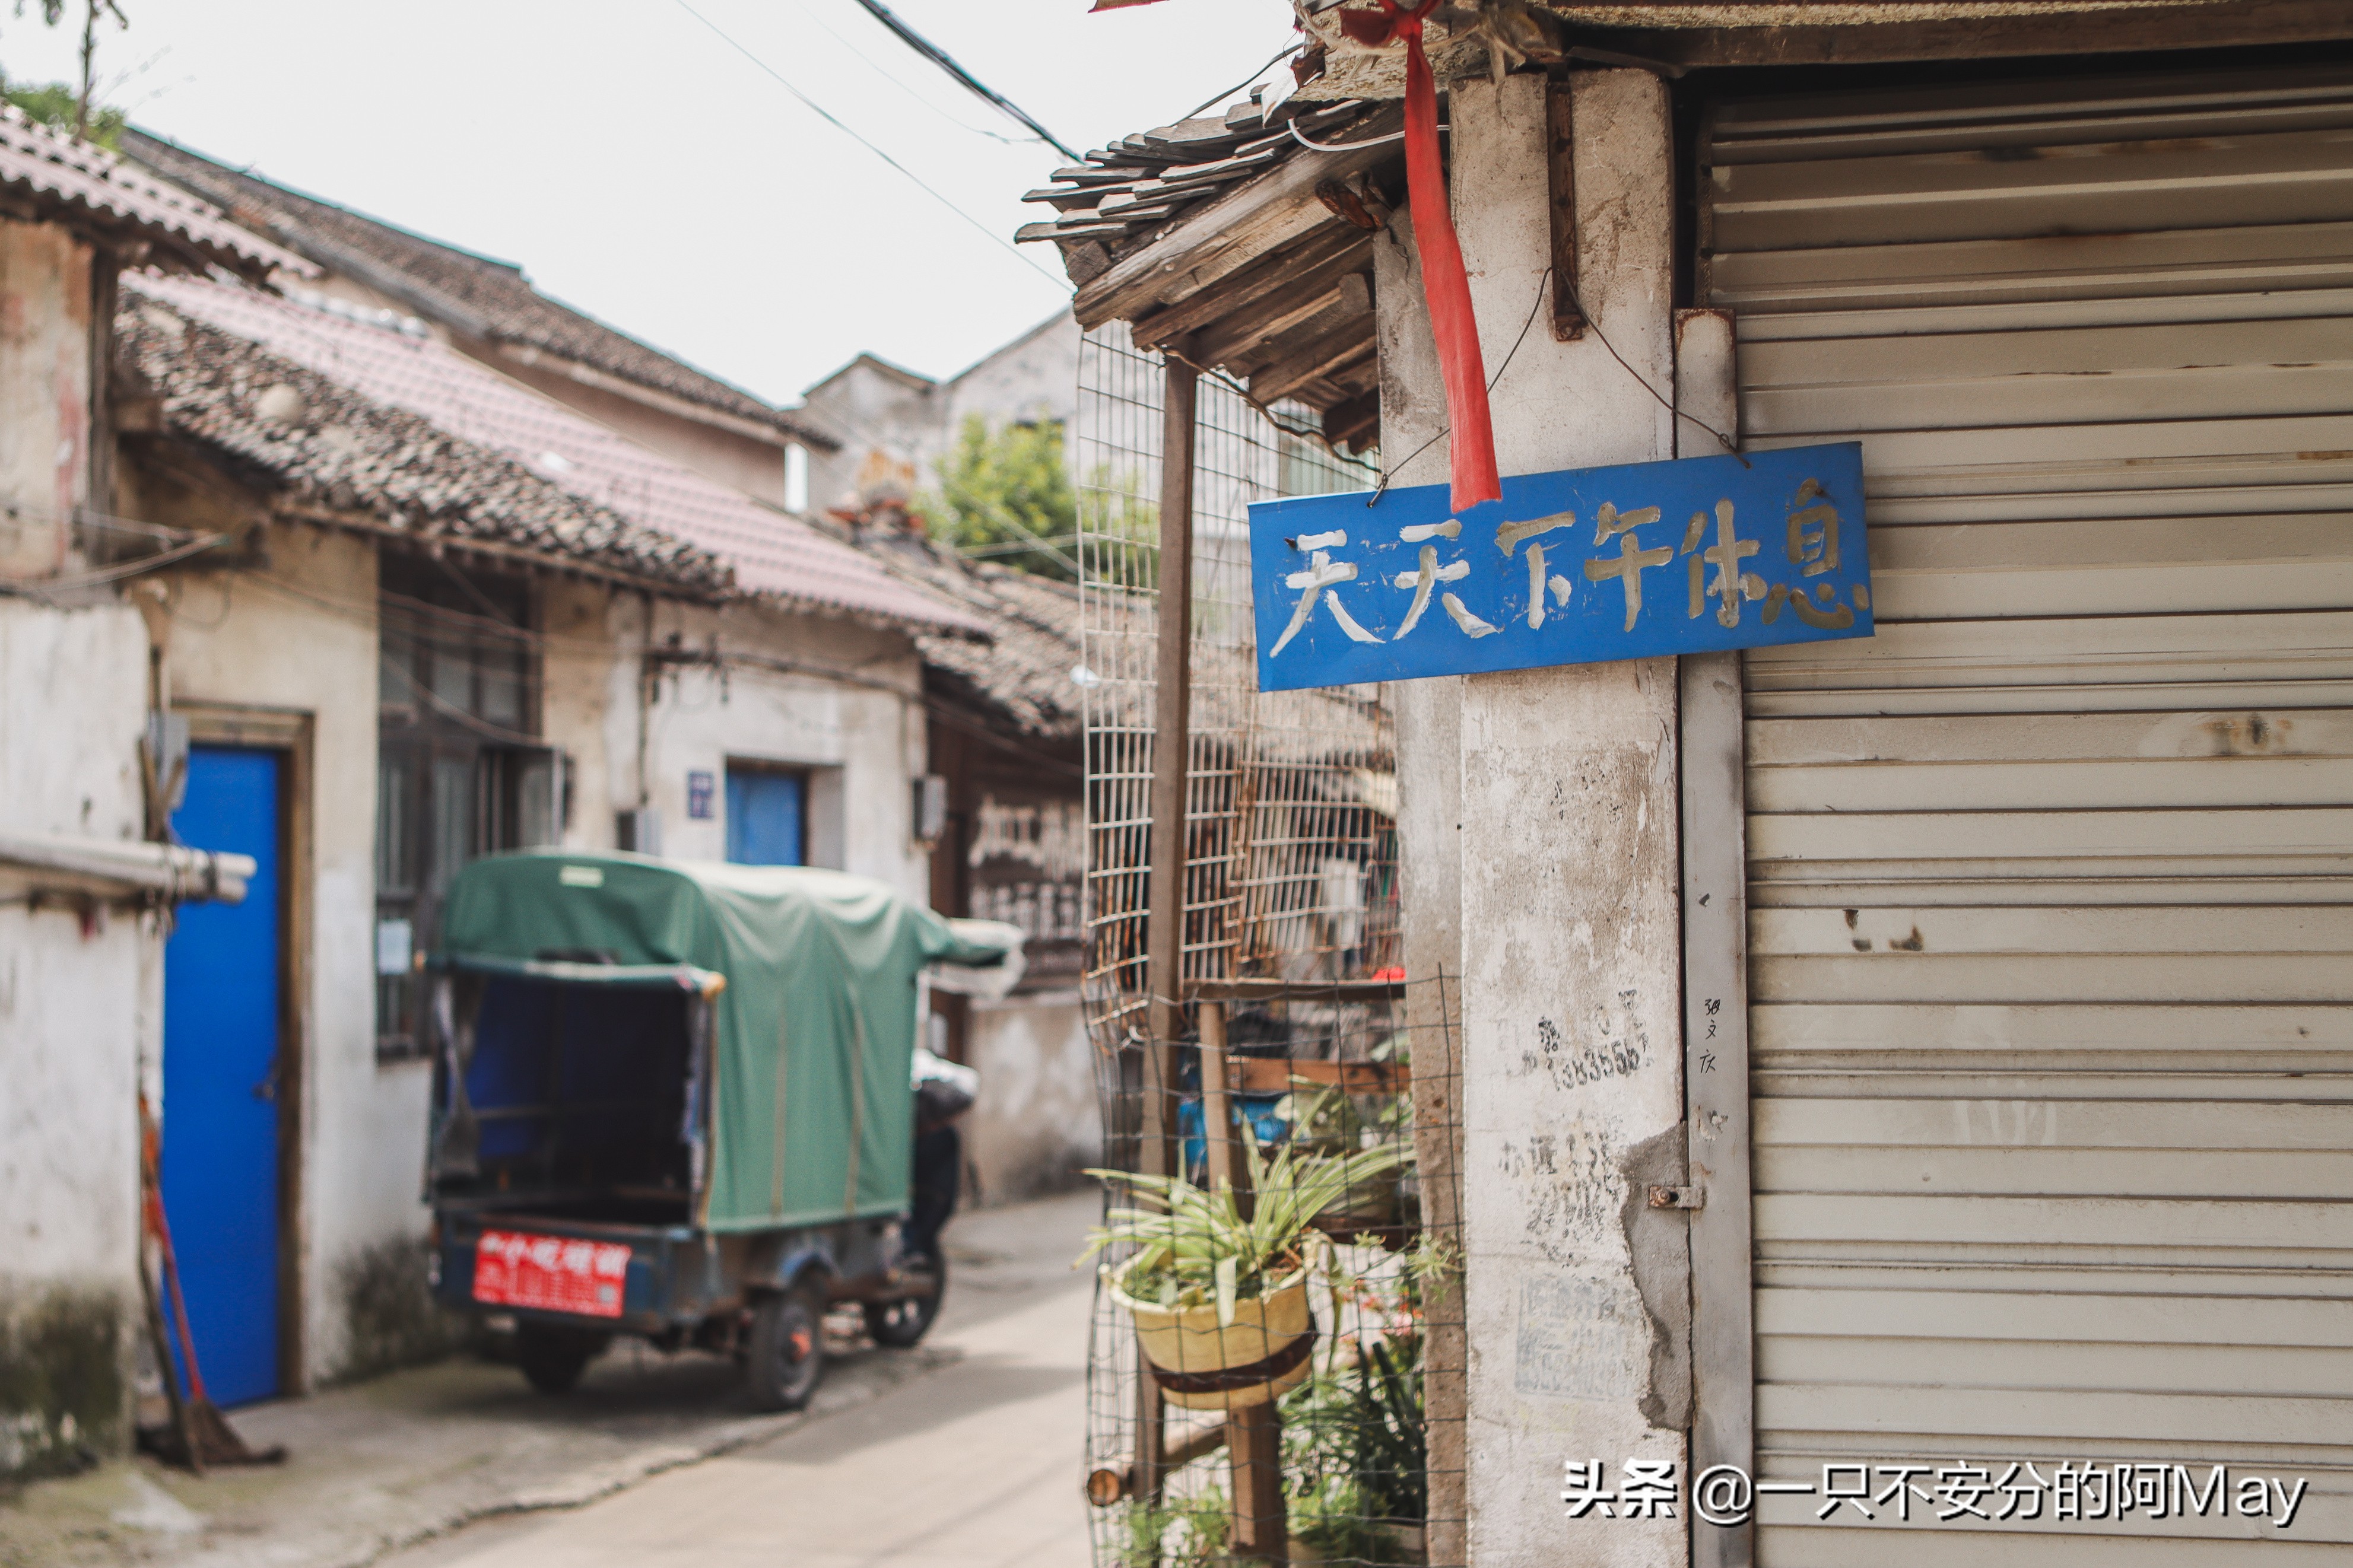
672, 1100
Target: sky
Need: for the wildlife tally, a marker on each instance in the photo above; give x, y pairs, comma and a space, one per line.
645, 171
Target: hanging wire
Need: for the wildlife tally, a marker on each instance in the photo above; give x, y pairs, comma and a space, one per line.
831, 118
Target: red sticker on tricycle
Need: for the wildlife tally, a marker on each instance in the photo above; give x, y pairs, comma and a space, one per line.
552, 1273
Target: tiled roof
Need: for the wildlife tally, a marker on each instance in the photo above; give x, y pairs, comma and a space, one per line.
53, 175
338, 448
1126, 193
771, 552
468, 293
1024, 672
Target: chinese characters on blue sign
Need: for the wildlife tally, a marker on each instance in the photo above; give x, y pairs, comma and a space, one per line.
1697, 556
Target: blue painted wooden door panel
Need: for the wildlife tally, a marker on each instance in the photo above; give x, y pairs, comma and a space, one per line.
221, 1026
764, 811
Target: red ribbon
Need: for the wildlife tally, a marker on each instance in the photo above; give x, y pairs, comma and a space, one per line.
1445, 284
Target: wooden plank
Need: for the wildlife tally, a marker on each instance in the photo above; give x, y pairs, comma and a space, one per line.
1255, 988
2177, 1227
1927, 362
1334, 242
2081, 1416
1217, 1114
2275, 179
1960, 786
2287, 645
1898, 934
1350, 342
2066, 1126
2102, 310
2119, 697
2060, 1173
2274, 450
1346, 307
1802, 1538
2186, 837
1254, 1452
2068, 977
2086, 1317
2066, 1366
2054, 400
1217, 240
2034, 738
2112, 883
2138, 1028
1281, 1075
2074, 277
1279, 311
1560, 176
1171, 771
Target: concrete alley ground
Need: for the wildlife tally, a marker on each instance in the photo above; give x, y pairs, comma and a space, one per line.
965, 1451
978, 1465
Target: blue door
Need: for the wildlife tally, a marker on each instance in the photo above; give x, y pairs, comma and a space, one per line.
765, 813
220, 1080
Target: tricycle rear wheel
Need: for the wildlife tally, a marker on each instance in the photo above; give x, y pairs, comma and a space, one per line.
788, 1350
903, 1323
552, 1357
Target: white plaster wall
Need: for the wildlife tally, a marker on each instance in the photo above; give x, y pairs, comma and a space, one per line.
298, 635
1570, 929
1034, 378
1036, 1121
76, 1008
888, 425
863, 740
45, 301
886, 422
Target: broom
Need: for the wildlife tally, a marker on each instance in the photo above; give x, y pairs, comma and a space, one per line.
203, 1434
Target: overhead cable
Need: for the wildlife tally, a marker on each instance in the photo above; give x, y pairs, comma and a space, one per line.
830, 118
973, 84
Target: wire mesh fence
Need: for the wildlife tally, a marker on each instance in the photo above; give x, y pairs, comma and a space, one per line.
1277, 1289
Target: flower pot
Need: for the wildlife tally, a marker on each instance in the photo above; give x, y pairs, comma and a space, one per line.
1202, 1366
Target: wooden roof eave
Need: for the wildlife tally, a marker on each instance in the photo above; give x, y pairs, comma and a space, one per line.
1221, 237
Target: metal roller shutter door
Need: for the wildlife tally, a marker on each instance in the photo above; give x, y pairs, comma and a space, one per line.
2051, 881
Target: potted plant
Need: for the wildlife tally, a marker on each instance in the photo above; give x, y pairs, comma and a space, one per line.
1220, 1300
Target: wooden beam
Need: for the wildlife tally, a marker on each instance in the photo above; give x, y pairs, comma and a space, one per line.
1560, 164
1213, 242
1348, 301
1355, 424
1115, 1480
1284, 267
1171, 756
1254, 1459
2052, 29
1277, 313
1266, 989
1281, 1075
1351, 341
1216, 1112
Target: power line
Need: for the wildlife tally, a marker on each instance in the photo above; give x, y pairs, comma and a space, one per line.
830, 118
940, 57
874, 66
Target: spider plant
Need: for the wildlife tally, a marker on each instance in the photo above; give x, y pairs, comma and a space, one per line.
1194, 1246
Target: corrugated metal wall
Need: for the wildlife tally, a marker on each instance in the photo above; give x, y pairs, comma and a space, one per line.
2050, 943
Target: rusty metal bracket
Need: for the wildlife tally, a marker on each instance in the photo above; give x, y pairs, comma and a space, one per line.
1678, 1197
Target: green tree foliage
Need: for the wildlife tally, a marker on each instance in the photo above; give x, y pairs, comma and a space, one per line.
57, 104
1003, 492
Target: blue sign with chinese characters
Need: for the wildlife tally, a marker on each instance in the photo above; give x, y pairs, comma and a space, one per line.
1697, 556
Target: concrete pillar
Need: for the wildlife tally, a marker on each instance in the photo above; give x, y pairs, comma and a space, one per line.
1571, 1047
